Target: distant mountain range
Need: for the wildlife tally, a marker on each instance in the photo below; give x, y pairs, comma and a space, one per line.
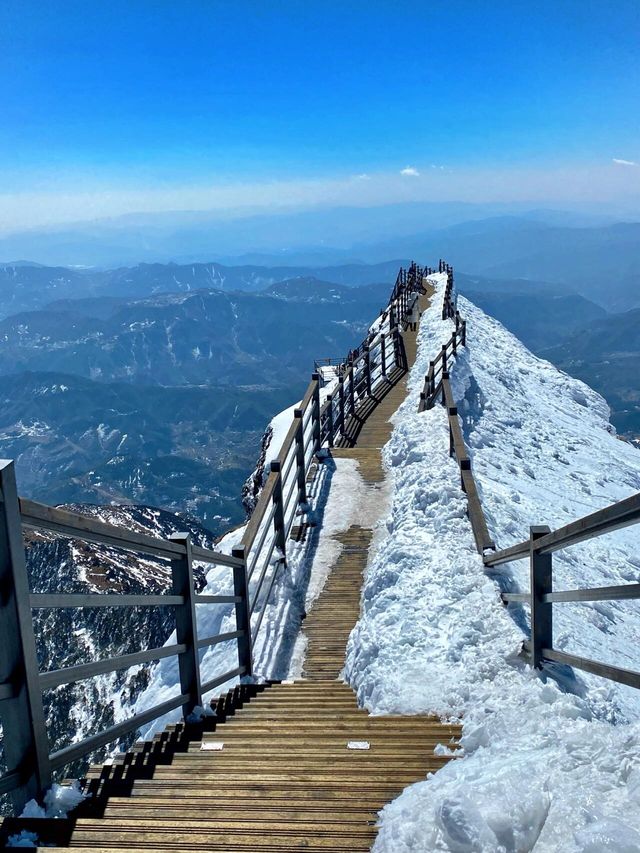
199, 337
27, 287
596, 258
153, 384
163, 400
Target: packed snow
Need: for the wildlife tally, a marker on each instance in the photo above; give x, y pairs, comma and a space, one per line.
547, 762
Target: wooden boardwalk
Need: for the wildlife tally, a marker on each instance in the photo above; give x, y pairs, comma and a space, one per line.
285, 766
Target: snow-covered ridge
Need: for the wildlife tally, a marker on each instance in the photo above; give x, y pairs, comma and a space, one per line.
551, 761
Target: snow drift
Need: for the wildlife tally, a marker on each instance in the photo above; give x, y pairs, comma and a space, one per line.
548, 761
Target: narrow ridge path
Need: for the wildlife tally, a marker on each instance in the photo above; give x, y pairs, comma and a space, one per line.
286, 766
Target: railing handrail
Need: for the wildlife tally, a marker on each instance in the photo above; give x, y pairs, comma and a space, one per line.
613, 517
39, 516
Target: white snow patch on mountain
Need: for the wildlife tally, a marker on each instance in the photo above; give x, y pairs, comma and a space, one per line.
550, 761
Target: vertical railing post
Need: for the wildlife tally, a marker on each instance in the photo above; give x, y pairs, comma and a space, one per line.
186, 624
541, 570
278, 515
243, 609
352, 388
26, 747
330, 420
452, 412
367, 368
383, 355
340, 405
463, 336
315, 413
444, 358
301, 471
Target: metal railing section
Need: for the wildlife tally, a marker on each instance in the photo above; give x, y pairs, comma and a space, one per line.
539, 549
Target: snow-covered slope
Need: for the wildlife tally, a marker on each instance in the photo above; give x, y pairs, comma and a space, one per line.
549, 762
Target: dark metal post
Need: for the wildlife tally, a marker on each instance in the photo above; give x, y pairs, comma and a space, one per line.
243, 614
383, 354
186, 624
444, 358
26, 748
541, 584
330, 420
352, 388
463, 338
367, 368
340, 405
300, 461
452, 411
315, 413
278, 516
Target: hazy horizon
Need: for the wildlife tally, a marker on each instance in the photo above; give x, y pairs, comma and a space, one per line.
253, 110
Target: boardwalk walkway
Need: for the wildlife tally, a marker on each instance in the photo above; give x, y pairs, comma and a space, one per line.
286, 766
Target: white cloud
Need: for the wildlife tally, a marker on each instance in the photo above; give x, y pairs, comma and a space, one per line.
410, 171
620, 162
362, 177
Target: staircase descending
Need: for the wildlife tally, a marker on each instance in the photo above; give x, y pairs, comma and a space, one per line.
282, 765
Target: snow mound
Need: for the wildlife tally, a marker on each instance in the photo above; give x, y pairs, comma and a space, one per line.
551, 762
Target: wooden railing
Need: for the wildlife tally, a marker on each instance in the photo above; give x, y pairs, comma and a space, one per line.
438, 386
255, 565
539, 549
542, 542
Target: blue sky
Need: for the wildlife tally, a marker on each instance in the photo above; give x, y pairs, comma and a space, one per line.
149, 97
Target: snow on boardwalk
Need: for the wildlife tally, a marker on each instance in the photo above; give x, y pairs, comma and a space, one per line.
549, 764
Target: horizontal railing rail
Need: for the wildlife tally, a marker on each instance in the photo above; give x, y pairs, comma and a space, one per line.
320, 420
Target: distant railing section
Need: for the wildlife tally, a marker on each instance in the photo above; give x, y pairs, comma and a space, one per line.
437, 386
255, 565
